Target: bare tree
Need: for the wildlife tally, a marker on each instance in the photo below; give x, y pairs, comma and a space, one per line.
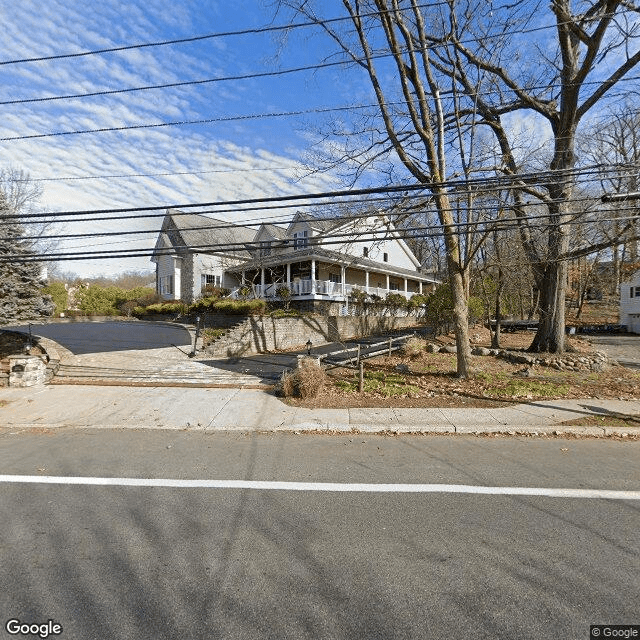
613, 147
496, 70
418, 128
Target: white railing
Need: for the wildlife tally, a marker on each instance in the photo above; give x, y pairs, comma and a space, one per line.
319, 287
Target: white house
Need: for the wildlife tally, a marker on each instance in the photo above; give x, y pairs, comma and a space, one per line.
630, 303
316, 259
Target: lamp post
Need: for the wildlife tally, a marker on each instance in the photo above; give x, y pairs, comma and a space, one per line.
195, 339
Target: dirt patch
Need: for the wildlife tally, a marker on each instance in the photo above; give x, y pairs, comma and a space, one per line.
631, 422
428, 380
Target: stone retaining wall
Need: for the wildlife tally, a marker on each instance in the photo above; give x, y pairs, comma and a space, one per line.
258, 334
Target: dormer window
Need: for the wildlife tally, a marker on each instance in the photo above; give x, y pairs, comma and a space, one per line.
385, 257
265, 249
365, 252
300, 240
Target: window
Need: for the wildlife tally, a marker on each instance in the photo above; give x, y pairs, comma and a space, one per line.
166, 285
634, 292
335, 277
300, 240
210, 279
394, 286
385, 257
365, 252
265, 249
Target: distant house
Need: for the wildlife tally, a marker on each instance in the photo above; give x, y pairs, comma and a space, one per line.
630, 303
316, 259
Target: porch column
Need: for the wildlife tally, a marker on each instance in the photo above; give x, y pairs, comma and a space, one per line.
420, 287
406, 288
343, 277
387, 282
366, 281
313, 275
262, 282
288, 275
244, 279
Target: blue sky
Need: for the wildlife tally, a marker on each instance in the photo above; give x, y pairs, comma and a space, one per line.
216, 161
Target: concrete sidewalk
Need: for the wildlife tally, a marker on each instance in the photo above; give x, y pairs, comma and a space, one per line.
242, 409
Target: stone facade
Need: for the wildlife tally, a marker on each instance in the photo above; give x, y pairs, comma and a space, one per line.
27, 371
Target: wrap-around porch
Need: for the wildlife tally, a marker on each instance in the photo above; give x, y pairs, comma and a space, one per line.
315, 279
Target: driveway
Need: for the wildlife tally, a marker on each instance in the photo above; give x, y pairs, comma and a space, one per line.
135, 353
623, 348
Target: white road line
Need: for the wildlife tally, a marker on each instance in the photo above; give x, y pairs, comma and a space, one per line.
267, 485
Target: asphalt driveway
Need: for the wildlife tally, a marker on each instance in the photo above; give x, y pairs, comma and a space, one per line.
101, 337
132, 353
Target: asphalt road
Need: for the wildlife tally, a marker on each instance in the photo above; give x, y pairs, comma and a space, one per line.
623, 348
160, 562
100, 337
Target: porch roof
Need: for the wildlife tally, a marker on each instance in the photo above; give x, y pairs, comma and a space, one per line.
334, 257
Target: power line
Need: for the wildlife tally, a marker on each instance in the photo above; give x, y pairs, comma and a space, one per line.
461, 187
234, 248
268, 29
176, 123
248, 76
208, 36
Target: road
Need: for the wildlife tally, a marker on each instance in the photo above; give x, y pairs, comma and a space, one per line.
623, 348
245, 563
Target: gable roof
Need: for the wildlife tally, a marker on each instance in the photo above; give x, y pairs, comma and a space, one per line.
196, 231
319, 224
279, 233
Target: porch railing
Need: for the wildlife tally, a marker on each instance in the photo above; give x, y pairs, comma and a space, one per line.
318, 287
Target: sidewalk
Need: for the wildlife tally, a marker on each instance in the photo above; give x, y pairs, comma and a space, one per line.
243, 409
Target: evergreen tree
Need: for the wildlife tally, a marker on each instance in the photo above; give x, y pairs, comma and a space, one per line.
21, 283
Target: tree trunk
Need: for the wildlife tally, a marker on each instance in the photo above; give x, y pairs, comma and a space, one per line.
550, 334
495, 336
460, 320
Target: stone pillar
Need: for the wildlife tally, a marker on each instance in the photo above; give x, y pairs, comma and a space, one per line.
26, 371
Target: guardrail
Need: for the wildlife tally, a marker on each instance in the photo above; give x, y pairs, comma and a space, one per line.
363, 352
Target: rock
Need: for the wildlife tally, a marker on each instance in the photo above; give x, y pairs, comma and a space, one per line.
480, 351
432, 348
402, 368
449, 348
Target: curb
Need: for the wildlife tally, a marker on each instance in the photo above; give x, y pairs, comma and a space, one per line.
317, 428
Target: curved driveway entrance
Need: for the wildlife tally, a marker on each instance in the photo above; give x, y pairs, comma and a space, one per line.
138, 353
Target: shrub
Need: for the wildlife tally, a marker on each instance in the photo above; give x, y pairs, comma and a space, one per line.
240, 307
211, 291
304, 382
105, 301
395, 301
413, 347
58, 294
